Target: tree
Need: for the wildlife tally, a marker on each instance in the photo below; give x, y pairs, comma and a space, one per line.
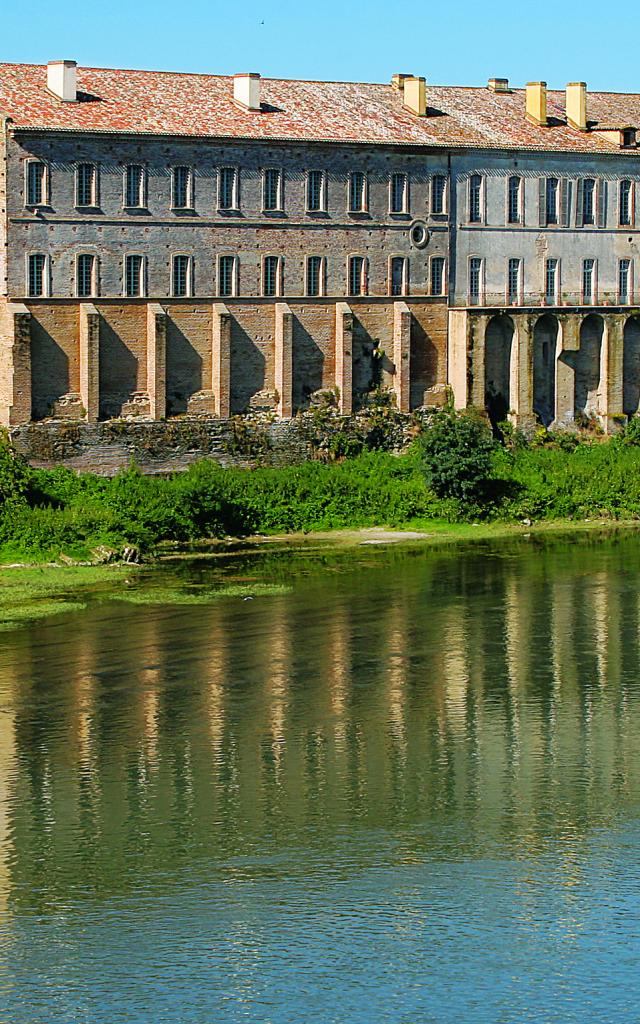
457, 452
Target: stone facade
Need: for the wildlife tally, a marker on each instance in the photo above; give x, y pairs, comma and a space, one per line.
519, 306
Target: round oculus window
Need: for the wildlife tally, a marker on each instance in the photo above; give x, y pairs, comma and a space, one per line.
419, 234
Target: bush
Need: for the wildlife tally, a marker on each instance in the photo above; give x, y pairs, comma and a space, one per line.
457, 451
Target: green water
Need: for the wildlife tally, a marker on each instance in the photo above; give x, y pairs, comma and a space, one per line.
395, 786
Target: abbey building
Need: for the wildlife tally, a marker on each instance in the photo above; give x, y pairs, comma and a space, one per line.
192, 244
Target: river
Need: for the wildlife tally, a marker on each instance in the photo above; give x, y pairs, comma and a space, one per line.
403, 786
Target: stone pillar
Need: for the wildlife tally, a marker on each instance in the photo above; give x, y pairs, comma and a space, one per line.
15, 365
522, 371
458, 350
612, 372
344, 357
402, 354
90, 360
284, 360
221, 360
568, 341
157, 361
476, 388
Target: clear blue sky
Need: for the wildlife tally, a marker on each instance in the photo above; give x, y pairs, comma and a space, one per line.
463, 43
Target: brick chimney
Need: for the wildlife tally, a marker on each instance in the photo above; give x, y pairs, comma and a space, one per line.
246, 90
61, 79
536, 94
415, 95
498, 85
577, 105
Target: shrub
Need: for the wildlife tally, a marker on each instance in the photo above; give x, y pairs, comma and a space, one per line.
457, 451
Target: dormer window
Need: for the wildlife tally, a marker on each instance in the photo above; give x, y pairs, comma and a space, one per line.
628, 138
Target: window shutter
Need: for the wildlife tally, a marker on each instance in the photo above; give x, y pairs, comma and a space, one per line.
542, 202
601, 216
565, 201
579, 203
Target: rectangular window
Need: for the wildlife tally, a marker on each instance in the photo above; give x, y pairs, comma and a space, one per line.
438, 193
85, 275
227, 276
624, 206
588, 201
37, 276
316, 192
86, 185
588, 281
398, 195
624, 282
357, 192
134, 186
514, 279
228, 189
272, 189
551, 282
134, 275
271, 274
181, 195
437, 275
552, 201
36, 183
514, 199
475, 280
315, 275
357, 275
181, 275
475, 199
398, 275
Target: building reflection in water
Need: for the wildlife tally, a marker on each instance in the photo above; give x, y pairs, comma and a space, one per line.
480, 702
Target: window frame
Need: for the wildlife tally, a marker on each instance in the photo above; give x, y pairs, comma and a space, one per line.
142, 205
481, 191
364, 275
235, 199
322, 276
545, 292
277, 294
631, 203
594, 281
234, 275
404, 211
45, 200
46, 275
405, 275
94, 275
279, 208
323, 190
479, 300
364, 208
630, 282
142, 293
444, 291
190, 196
190, 275
519, 217
95, 189
520, 281
445, 195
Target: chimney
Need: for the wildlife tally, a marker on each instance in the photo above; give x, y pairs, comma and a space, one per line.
498, 85
397, 81
246, 90
537, 102
415, 95
61, 79
577, 105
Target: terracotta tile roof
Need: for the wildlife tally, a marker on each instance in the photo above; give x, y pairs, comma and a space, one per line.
165, 103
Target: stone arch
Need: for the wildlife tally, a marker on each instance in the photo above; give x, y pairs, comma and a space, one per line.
587, 366
545, 340
631, 367
499, 346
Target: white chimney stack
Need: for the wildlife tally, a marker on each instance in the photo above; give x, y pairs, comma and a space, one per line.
61, 79
246, 90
